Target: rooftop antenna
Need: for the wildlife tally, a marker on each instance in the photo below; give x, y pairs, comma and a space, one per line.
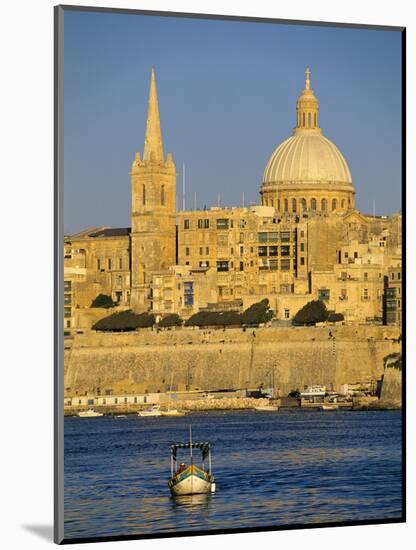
183, 186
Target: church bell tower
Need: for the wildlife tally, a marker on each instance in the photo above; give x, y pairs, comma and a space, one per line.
153, 210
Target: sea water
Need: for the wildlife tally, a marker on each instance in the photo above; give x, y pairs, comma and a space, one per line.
292, 467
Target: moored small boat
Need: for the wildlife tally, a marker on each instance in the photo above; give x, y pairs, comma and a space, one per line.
267, 408
153, 411
329, 407
173, 412
90, 413
192, 479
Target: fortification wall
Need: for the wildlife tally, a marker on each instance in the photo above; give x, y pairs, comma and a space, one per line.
232, 358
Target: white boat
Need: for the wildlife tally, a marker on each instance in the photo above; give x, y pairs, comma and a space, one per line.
192, 479
314, 391
153, 411
329, 407
269, 408
90, 413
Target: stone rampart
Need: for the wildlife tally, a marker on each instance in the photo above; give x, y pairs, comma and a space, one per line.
231, 358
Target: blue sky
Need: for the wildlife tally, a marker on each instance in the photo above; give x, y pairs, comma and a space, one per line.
227, 96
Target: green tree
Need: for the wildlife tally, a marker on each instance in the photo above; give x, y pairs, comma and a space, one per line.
102, 300
257, 313
214, 318
124, 321
172, 320
311, 313
335, 317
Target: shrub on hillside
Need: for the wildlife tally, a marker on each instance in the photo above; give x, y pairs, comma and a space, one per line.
311, 313
102, 300
257, 313
172, 320
124, 321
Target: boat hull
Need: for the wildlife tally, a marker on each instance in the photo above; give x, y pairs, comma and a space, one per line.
193, 481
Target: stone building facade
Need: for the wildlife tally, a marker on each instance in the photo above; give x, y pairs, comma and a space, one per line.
305, 241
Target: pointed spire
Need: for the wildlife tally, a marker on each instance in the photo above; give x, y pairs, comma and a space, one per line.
307, 79
307, 108
153, 148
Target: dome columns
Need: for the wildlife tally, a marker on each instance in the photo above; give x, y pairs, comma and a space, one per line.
296, 202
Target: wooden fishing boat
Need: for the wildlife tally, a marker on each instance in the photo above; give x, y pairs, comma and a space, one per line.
192, 479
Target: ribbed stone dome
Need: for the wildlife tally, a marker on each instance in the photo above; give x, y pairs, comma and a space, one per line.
307, 156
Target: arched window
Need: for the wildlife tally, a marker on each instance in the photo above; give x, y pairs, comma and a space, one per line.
309, 120
324, 205
271, 202
343, 203
334, 204
294, 205
303, 119
278, 204
286, 205
313, 204
162, 195
144, 194
314, 120
303, 203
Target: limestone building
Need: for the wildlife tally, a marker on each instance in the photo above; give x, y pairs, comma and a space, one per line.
304, 241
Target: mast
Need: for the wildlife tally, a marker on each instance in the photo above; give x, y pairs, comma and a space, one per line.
190, 442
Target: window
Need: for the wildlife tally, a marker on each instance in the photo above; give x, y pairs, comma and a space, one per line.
302, 233
285, 236
262, 250
241, 266
98, 264
285, 265
223, 223
206, 224
273, 265
162, 195
323, 294
200, 251
392, 276
302, 247
241, 250
109, 263
274, 236
302, 260
273, 250
294, 206
120, 263
67, 286
115, 400
285, 250
231, 251
345, 254
343, 203
125, 400
207, 250
286, 205
365, 294
365, 276
343, 275
314, 119
287, 314
200, 224
334, 204
309, 120
262, 237
186, 224
303, 204
187, 251
222, 265
313, 204
188, 293
324, 204
398, 276
144, 194
355, 254
135, 400
303, 119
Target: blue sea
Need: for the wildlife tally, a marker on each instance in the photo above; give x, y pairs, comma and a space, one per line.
292, 467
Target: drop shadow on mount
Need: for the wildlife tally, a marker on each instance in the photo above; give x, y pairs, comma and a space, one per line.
43, 531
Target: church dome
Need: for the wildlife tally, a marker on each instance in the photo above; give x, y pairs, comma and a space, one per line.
307, 157
307, 171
